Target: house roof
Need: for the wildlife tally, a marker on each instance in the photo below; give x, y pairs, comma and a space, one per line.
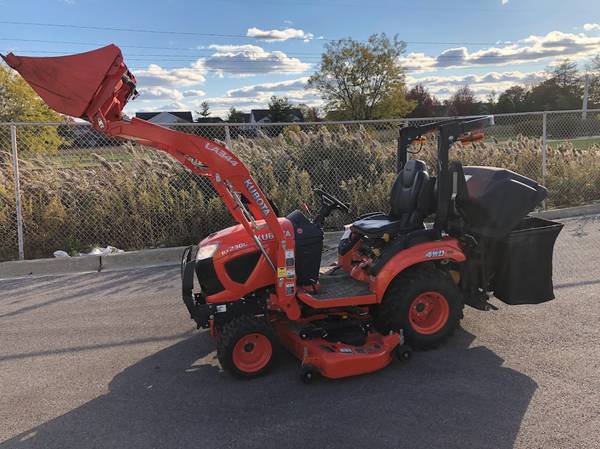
209, 120
166, 116
241, 117
261, 114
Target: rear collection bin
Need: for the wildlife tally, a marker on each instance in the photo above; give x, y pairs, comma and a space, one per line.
523, 262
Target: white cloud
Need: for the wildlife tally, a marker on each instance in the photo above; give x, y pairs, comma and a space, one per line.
482, 85
288, 22
504, 2
514, 77
250, 60
155, 75
194, 93
534, 48
417, 62
279, 35
174, 106
271, 88
160, 93
293, 89
592, 27
257, 96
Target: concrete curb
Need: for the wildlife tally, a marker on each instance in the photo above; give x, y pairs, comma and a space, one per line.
569, 212
164, 257
45, 267
88, 264
144, 258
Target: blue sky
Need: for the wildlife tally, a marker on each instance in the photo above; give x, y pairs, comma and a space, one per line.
240, 52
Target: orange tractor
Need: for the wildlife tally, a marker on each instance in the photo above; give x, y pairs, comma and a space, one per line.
398, 283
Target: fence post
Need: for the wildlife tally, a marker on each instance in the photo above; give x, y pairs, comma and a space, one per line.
586, 96
227, 137
544, 150
19, 211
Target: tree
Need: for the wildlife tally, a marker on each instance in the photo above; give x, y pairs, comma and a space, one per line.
235, 116
424, 102
562, 90
462, 102
204, 109
513, 99
310, 113
593, 71
19, 103
280, 109
596, 63
362, 81
490, 102
565, 75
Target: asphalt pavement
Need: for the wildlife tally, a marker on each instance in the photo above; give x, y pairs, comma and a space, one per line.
111, 360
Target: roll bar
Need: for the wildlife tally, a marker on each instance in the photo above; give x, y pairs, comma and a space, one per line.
452, 128
449, 132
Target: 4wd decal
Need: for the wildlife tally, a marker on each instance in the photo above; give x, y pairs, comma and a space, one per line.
266, 210
222, 154
435, 253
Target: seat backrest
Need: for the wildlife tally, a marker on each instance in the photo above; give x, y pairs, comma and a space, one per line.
412, 194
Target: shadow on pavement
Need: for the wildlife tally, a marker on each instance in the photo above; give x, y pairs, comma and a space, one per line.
87, 286
454, 397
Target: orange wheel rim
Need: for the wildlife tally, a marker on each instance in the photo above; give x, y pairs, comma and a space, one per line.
252, 352
429, 313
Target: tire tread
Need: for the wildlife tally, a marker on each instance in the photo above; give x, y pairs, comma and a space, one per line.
398, 297
232, 332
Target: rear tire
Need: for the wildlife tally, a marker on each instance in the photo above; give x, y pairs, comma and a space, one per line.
246, 347
424, 303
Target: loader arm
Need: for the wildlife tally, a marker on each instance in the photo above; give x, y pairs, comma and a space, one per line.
96, 86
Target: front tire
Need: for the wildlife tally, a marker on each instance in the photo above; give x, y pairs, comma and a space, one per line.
424, 303
246, 347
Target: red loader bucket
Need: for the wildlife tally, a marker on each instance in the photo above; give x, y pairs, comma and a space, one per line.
70, 84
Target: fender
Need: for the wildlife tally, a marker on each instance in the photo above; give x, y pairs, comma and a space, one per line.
425, 252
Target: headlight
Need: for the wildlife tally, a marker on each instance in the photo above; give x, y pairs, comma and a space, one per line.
206, 252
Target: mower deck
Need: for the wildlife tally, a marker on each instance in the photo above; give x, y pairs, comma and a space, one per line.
337, 359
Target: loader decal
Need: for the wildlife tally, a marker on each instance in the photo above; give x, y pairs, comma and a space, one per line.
219, 152
266, 210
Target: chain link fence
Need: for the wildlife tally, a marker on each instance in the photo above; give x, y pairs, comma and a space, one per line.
80, 189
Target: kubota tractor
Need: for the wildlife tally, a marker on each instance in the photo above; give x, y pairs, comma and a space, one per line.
398, 283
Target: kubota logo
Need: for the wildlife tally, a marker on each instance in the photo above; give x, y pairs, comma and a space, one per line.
266, 210
222, 154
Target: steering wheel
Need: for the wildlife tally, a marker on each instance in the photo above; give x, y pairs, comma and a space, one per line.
331, 201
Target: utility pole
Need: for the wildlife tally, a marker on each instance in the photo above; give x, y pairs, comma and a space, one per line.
586, 95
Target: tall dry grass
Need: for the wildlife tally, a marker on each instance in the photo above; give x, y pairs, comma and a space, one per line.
138, 198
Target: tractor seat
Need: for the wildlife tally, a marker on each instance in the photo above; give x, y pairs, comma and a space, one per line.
411, 201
